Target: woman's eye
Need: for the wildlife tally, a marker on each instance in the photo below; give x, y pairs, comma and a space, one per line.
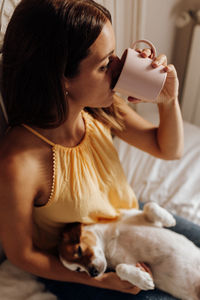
79, 251
105, 68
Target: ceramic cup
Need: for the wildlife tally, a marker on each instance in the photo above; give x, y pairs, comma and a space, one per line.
137, 78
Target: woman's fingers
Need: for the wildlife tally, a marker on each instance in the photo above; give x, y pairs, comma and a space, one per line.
170, 69
159, 60
146, 53
138, 50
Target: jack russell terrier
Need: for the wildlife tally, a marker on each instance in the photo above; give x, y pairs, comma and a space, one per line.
136, 236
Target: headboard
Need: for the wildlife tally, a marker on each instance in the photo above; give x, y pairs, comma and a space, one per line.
3, 114
6, 10
3, 123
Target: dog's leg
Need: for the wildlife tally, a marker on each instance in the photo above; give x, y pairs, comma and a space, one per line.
155, 213
135, 276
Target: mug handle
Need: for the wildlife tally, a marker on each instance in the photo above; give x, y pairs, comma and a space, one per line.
153, 49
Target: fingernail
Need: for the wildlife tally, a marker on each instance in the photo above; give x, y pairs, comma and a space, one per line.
155, 64
166, 69
143, 54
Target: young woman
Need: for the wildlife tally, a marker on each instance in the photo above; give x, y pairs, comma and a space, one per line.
58, 163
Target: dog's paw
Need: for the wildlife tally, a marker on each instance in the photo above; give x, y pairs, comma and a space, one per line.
168, 220
134, 275
144, 281
155, 213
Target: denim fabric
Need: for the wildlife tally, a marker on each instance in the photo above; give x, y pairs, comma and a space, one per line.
74, 291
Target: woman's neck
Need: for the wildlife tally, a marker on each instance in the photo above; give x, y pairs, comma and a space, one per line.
68, 134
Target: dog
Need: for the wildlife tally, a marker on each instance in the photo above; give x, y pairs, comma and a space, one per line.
136, 236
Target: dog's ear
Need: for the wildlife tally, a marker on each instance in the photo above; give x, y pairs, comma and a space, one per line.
72, 233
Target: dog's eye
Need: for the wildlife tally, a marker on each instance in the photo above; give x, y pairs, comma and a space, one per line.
79, 251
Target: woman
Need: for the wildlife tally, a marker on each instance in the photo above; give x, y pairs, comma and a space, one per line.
58, 164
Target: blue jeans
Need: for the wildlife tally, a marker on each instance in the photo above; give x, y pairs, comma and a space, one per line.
74, 291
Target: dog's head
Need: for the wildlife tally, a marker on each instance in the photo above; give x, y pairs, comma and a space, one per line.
81, 250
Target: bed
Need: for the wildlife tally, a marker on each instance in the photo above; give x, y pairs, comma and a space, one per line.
172, 184
175, 185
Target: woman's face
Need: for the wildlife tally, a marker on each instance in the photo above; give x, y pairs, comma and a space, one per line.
92, 86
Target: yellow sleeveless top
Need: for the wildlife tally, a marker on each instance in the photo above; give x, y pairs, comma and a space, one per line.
89, 184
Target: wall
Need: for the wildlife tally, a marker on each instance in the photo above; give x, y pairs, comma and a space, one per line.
126, 17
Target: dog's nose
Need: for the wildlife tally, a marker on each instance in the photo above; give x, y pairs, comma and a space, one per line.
93, 272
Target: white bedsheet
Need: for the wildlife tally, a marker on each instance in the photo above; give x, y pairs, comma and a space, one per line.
175, 185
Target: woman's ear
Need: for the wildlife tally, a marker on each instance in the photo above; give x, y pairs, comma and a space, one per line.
66, 83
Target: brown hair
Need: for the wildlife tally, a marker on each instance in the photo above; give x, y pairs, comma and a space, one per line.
45, 40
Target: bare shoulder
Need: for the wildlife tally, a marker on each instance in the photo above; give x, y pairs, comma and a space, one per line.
16, 154
22, 157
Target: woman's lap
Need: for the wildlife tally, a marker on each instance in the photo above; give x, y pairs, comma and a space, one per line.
73, 291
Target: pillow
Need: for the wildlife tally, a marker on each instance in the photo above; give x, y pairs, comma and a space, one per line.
172, 184
3, 114
6, 10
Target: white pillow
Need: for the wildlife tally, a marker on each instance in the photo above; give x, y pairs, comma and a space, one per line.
172, 184
3, 114
6, 10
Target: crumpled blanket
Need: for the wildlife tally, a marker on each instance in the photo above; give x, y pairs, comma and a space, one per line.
16, 284
175, 185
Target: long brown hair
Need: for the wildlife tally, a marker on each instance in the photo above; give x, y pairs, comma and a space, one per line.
46, 39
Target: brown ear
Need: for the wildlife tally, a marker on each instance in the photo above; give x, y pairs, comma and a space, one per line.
72, 233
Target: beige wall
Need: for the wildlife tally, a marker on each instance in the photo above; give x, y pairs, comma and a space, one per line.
160, 24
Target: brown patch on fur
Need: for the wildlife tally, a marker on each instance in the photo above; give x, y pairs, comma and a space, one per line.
74, 236
72, 233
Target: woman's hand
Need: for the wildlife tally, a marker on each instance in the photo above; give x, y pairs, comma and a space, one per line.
112, 281
170, 89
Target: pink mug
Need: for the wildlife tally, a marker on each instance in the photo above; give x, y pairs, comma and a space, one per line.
137, 77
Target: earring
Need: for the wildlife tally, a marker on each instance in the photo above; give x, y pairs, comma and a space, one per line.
66, 93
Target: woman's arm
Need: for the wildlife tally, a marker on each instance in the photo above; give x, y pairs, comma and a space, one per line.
166, 140
170, 131
18, 187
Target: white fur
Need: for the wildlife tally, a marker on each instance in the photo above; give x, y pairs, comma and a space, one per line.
138, 236
70, 266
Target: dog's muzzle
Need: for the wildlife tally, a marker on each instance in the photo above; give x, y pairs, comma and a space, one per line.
93, 271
